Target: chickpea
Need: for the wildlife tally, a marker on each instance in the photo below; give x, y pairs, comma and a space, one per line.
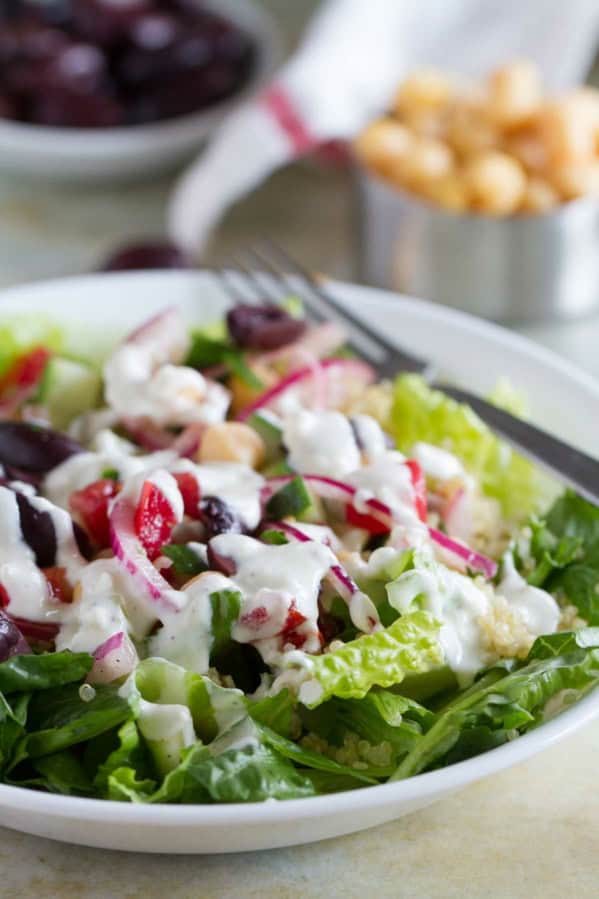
426, 161
539, 196
577, 179
232, 441
568, 127
426, 89
496, 183
382, 143
469, 130
449, 192
242, 393
529, 150
515, 94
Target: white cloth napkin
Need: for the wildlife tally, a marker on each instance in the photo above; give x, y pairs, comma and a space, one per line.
346, 70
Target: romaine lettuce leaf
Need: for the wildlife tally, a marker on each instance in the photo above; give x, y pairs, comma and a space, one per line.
420, 413
59, 718
384, 658
27, 673
565, 549
490, 713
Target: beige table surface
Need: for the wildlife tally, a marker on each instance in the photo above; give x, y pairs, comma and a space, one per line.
529, 832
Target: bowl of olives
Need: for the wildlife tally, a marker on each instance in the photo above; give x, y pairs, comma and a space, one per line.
122, 88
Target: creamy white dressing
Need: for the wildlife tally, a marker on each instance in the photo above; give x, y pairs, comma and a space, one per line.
94, 617
272, 580
186, 636
142, 381
320, 443
454, 600
371, 437
389, 480
25, 585
436, 462
109, 452
237, 484
538, 609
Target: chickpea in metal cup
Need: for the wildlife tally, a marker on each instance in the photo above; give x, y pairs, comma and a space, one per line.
500, 147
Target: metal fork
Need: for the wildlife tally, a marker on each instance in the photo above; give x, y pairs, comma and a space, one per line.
267, 272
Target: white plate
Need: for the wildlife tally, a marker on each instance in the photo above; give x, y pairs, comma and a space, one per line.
136, 150
474, 353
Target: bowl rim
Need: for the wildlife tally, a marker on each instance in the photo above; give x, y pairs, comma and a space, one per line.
430, 784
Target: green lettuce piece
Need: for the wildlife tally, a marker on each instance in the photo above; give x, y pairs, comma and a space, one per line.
307, 758
384, 658
251, 773
565, 550
13, 717
550, 645
226, 605
490, 713
420, 413
40, 672
61, 772
381, 718
130, 752
59, 718
20, 333
276, 712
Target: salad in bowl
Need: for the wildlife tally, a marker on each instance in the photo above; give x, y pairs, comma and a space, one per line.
235, 567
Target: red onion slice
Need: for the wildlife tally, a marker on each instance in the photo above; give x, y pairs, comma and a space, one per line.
130, 553
469, 557
354, 368
113, 659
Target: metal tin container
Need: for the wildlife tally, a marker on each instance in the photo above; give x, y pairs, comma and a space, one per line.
521, 269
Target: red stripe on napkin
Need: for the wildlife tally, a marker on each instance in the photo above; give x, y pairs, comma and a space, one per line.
281, 107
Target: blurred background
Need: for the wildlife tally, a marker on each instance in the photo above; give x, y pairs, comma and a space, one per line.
51, 226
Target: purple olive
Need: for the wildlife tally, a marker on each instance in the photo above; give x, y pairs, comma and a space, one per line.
151, 255
8, 108
32, 448
107, 22
78, 68
263, 327
65, 109
38, 532
12, 641
218, 517
218, 562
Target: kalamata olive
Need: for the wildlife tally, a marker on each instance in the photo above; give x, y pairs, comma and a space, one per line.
32, 448
78, 68
38, 532
12, 641
151, 255
218, 562
107, 22
154, 31
8, 108
263, 327
83, 542
65, 109
218, 517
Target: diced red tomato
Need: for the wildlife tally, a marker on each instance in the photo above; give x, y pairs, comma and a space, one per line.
20, 382
292, 622
90, 506
363, 520
4, 597
26, 371
60, 588
154, 519
419, 484
36, 631
190, 492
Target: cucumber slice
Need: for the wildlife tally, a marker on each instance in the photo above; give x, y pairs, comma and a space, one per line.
292, 499
269, 429
68, 388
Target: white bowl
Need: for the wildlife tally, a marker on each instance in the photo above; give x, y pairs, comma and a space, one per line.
136, 150
472, 352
